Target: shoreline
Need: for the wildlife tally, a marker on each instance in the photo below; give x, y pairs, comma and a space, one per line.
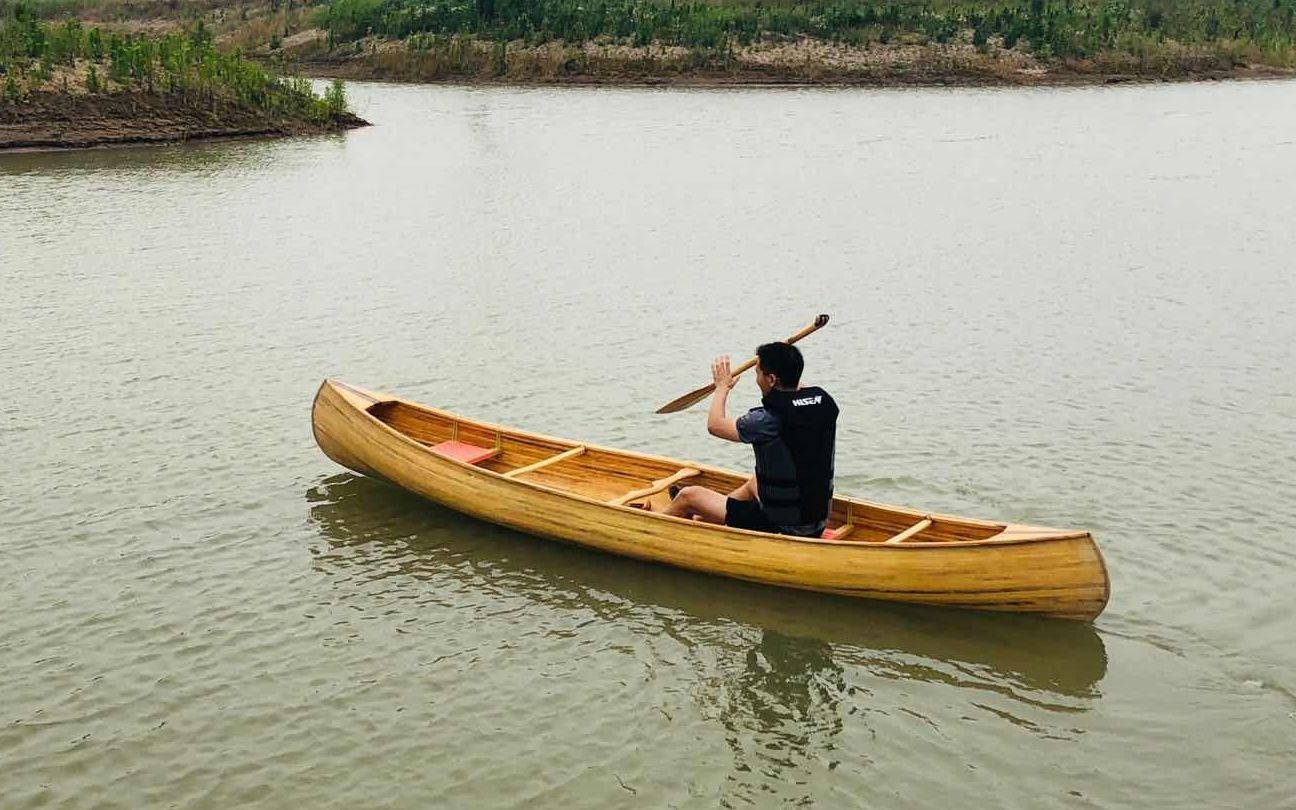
53, 121
802, 62
756, 80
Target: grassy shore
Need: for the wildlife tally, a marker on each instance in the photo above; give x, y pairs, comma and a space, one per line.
69, 84
805, 61
873, 42
841, 41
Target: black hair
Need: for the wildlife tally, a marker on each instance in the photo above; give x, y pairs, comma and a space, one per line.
784, 361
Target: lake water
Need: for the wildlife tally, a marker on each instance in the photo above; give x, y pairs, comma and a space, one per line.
1068, 307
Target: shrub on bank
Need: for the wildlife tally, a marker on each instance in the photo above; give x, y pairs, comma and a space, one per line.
71, 57
1051, 29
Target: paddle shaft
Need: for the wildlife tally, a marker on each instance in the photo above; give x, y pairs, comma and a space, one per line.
747, 365
698, 395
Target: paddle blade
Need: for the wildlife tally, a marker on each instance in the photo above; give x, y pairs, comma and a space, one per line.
691, 398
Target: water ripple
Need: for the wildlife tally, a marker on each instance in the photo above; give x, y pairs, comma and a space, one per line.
199, 612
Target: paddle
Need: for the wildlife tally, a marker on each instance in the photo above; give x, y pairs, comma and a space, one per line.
702, 393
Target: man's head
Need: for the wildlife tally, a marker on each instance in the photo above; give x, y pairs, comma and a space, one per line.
778, 365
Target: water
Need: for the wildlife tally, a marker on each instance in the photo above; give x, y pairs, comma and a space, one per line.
1066, 307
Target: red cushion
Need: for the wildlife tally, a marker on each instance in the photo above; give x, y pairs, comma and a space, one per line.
831, 534
469, 453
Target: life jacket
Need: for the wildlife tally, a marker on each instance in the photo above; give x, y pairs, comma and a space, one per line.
795, 482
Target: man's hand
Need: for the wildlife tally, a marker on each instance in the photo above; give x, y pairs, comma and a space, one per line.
721, 374
718, 422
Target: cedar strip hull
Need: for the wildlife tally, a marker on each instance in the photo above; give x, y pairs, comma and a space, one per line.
1003, 567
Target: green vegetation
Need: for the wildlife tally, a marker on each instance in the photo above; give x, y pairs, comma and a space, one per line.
141, 9
34, 54
854, 41
1048, 28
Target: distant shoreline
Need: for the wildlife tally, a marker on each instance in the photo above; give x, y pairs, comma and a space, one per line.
795, 62
53, 120
361, 71
69, 84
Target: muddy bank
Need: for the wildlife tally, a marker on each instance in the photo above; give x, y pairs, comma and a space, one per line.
362, 70
47, 119
801, 62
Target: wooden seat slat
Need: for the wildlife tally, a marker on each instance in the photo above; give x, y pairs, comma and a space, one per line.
920, 526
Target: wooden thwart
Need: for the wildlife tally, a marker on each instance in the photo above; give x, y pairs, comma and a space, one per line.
545, 462
920, 526
657, 486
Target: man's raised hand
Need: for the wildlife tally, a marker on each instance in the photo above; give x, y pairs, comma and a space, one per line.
720, 372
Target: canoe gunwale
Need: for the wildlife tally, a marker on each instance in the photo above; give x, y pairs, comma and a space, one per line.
1009, 533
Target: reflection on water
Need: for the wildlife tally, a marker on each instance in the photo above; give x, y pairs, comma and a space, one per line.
1037, 661
166, 159
782, 711
1070, 308
779, 673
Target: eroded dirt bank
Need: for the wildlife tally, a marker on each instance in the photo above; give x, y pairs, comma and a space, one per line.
60, 120
802, 62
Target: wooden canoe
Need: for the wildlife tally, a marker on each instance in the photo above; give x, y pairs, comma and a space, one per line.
591, 496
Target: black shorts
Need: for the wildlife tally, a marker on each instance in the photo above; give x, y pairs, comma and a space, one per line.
748, 515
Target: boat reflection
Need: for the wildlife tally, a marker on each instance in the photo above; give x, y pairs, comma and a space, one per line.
782, 714
1048, 663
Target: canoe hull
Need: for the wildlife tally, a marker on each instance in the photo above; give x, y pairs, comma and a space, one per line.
1061, 576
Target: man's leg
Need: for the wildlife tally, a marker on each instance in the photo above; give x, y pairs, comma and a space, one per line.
746, 492
699, 501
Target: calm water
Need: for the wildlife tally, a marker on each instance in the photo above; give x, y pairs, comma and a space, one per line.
1070, 307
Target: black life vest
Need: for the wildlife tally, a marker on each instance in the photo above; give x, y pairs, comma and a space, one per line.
808, 431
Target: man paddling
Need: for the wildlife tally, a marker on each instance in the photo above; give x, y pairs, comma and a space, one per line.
793, 434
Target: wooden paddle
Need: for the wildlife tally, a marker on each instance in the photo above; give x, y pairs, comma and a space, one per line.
702, 393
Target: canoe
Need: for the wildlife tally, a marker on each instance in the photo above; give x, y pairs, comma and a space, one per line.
603, 498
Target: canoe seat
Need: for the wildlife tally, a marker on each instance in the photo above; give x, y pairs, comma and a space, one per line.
467, 453
840, 532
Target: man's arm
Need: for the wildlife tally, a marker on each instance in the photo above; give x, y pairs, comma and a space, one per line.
718, 422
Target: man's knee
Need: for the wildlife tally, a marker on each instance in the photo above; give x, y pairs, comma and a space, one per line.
689, 495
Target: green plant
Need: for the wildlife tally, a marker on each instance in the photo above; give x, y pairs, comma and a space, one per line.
1064, 28
187, 63
335, 99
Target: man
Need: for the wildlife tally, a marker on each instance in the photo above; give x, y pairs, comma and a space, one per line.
793, 435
